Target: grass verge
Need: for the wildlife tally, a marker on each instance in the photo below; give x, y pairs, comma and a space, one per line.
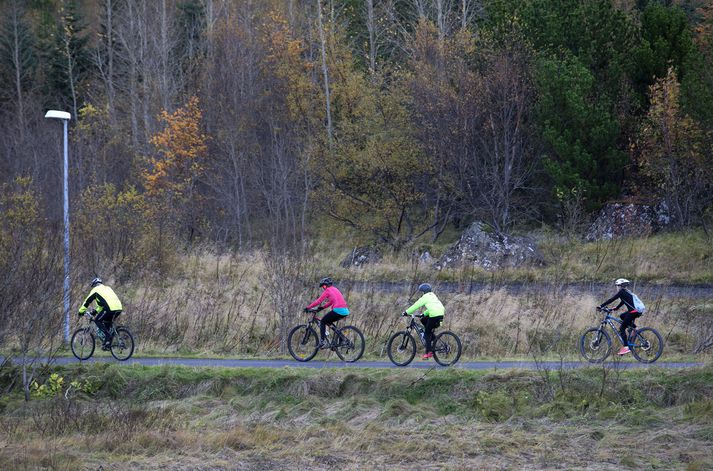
197, 418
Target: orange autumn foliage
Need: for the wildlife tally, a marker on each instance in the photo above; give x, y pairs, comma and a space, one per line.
181, 149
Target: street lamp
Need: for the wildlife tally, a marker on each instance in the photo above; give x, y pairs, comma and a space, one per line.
65, 117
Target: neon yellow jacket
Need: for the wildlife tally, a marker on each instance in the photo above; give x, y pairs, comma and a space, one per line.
105, 299
433, 305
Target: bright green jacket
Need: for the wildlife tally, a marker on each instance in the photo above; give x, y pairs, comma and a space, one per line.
105, 299
433, 305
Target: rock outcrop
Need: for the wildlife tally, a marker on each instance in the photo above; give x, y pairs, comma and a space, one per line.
361, 256
482, 247
618, 220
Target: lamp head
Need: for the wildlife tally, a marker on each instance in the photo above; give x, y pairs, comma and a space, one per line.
58, 115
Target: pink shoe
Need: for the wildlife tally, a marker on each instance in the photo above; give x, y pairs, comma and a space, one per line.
623, 351
427, 356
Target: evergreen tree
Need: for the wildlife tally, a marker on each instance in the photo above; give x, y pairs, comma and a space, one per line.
68, 58
18, 59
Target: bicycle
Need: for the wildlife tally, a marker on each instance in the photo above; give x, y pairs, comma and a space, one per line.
595, 345
84, 342
401, 346
303, 340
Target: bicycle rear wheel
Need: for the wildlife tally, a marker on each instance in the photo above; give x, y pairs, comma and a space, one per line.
350, 346
302, 342
595, 345
122, 344
446, 348
647, 345
82, 343
401, 348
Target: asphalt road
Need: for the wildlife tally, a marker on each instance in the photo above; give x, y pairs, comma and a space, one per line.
417, 363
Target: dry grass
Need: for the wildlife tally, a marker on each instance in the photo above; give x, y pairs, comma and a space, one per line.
373, 420
218, 303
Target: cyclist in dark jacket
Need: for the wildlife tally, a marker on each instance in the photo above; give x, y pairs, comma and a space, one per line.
626, 298
108, 307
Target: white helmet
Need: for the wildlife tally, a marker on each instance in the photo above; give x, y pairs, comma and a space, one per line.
622, 282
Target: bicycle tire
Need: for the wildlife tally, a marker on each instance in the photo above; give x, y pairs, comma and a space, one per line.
447, 348
351, 345
401, 348
302, 342
82, 342
122, 344
591, 343
647, 346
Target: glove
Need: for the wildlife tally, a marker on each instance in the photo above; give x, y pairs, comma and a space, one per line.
599, 308
307, 309
404, 313
80, 314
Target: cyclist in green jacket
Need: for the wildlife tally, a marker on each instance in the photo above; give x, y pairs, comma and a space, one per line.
108, 307
432, 316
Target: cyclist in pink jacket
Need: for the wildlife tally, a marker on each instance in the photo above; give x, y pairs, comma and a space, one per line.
331, 297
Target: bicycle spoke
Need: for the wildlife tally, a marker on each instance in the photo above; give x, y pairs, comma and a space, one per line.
447, 348
595, 345
122, 344
647, 345
302, 343
82, 344
401, 348
350, 344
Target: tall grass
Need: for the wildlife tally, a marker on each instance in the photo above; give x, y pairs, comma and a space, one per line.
186, 418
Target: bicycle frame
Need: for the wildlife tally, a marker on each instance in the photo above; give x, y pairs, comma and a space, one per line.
92, 319
607, 321
413, 325
317, 321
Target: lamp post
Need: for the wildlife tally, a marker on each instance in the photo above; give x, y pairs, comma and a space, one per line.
65, 117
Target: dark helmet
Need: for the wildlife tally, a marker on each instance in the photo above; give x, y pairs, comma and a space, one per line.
425, 287
97, 281
326, 282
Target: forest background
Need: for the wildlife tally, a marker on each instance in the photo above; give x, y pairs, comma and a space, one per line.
224, 155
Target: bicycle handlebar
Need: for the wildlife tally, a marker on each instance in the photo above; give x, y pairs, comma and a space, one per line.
605, 309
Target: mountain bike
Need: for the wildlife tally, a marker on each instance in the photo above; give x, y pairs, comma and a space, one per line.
595, 345
401, 346
303, 340
84, 342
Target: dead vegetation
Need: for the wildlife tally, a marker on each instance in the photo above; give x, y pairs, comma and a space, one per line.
182, 418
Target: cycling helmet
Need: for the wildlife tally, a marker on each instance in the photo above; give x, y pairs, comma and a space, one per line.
623, 282
97, 281
425, 287
326, 282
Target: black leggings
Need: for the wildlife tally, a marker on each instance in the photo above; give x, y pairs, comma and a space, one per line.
329, 318
627, 320
104, 321
429, 324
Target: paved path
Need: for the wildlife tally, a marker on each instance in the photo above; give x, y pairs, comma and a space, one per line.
417, 363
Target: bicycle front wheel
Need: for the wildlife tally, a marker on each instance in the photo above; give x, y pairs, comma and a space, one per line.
446, 348
595, 345
82, 343
302, 342
647, 345
122, 344
401, 348
351, 344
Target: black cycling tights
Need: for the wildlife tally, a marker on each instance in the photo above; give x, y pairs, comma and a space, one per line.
627, 320
429, 324
104, 321
329, 318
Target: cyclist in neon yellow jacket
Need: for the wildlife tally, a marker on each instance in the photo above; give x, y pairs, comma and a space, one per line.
432, 316
108, 307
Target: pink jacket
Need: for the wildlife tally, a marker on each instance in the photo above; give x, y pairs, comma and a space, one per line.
334, 299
